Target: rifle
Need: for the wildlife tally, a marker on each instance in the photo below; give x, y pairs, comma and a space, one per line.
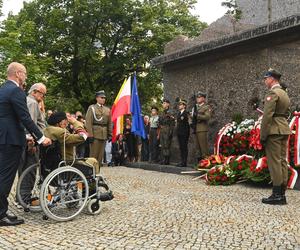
194, 114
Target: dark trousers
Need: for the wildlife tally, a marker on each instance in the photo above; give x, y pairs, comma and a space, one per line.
27, 160
183, 147
153, 145
119, 159
145, 150
9, 161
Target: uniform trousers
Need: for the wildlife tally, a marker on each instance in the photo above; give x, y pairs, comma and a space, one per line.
183, 147
276, 158
97, 149
9, 162
165, 140
202, 143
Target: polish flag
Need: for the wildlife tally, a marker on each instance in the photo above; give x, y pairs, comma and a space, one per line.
121, 107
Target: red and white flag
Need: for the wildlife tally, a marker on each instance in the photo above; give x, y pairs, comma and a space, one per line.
121, 107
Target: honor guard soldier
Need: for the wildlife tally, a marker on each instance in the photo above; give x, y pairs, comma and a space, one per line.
183, 132
99, 126
154, 135
166, 124
202, 114
274, 135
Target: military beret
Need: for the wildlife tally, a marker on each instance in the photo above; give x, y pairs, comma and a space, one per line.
100, 93
182, 101
56, 118
165, 100
272, 73
201, 94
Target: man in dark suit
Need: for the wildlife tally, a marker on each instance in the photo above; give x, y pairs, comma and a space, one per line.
183, 132
14, 116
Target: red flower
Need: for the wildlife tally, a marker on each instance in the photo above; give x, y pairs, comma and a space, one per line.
224, 178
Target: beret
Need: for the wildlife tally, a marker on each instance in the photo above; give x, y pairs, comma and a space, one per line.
56, 118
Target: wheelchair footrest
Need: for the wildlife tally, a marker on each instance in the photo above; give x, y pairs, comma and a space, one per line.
106, 196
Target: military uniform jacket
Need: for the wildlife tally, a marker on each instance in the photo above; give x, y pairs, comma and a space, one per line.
62, 134
166, 119
183, 126
98, 122
276, 111
203, 116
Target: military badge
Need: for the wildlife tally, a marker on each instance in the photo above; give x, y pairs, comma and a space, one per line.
269, 98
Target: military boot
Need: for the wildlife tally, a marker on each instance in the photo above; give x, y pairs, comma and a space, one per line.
276, 198
283, 188
167, 160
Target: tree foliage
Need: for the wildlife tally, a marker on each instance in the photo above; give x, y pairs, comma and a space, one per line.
80, 46
233, 9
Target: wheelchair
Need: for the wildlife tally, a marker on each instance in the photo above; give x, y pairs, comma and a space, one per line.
59, 188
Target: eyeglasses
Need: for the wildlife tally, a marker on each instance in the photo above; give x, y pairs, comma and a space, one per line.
43, 94
24, 72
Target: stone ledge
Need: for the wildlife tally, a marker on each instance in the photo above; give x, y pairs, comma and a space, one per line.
161, 168
286, 25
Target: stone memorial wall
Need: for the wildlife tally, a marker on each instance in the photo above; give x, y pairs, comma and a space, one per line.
230, 69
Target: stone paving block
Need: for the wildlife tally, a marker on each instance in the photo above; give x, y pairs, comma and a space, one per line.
154, 210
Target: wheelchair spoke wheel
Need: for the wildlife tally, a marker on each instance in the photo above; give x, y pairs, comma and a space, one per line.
28, 188
64, 193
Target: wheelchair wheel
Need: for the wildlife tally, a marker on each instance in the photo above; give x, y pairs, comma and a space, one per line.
94, 206
64, 193
28, 188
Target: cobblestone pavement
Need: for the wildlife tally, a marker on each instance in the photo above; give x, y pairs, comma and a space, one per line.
154, 210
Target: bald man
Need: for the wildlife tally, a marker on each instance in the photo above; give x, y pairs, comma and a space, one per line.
14, 116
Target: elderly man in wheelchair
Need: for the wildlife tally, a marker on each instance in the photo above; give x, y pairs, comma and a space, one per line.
63, 185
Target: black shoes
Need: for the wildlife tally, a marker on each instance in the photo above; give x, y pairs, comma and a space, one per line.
277, 197
9, 222
11, 216
108, 196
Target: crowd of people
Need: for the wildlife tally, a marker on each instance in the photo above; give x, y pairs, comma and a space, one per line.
24, 125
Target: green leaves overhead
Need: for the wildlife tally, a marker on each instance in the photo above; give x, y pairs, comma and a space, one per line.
80, 46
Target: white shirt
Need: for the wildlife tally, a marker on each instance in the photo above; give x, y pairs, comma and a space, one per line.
15, 83
275, 85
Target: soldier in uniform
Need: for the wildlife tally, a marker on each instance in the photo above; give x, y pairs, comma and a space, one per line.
183, 131
99, 126
57, 131
274, 135
202, 114
166, 124
154, 135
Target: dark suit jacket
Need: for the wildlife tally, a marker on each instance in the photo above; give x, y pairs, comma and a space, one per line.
183, 127
14, 116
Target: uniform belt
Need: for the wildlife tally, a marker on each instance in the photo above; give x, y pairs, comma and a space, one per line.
152, 128
280, 115
101, 125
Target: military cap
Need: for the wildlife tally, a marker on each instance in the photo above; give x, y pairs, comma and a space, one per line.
154, 107
56, 118
272, 73
165, 100
182, 101
100, 93
201, 94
